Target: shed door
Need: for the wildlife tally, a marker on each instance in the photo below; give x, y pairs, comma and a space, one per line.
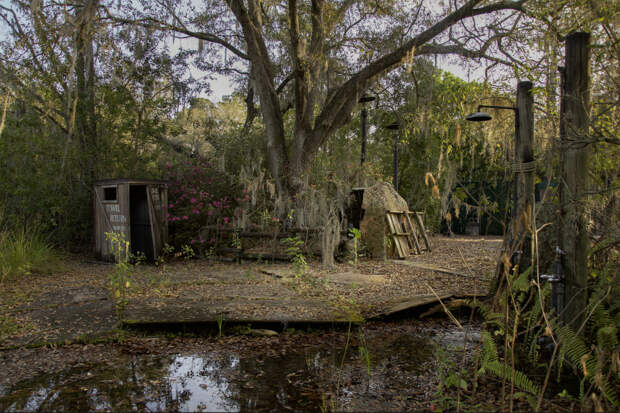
141, 237
154, 194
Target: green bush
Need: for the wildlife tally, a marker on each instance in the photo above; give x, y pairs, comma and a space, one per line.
23, 252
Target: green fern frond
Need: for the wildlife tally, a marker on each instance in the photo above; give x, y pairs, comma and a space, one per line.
489, 348
607, 338
521, 381
610, 392
522, 281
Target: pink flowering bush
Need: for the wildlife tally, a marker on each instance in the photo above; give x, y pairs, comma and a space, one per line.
199, 195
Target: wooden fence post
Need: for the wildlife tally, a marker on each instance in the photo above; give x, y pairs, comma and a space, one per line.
525, 169
573, 236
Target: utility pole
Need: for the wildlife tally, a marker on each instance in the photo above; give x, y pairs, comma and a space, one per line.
574, 126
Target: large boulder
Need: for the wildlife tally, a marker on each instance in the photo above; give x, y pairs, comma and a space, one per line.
378, 199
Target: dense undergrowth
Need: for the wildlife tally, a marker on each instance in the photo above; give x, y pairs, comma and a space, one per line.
532, 356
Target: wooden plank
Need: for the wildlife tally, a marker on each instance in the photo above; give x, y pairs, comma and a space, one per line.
413, 234
405, 240
153, 202
403, 225
412, 302
423, 230
233, 309
428, 267
402, 248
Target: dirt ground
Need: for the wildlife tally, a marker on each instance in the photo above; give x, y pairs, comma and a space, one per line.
205, 291
76, 305
74, 308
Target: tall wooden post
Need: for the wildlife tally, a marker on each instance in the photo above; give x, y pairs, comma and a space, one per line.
525, 169
574, 124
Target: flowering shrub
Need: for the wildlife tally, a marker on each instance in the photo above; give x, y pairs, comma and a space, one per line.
199, 195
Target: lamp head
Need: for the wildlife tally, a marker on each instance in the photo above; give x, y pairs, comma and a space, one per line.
478, 117
366, 98
393, 126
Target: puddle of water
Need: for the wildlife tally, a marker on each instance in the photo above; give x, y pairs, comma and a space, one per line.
220, 382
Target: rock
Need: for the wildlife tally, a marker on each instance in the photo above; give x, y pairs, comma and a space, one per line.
378, 199
261, 332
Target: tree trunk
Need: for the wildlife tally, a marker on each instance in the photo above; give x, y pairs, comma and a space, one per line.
287, 163
573, 183
85, 120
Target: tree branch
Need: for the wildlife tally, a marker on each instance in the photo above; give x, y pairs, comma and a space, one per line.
337, 110
151, 23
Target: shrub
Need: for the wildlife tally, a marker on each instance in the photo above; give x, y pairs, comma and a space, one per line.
200, 195
23, 252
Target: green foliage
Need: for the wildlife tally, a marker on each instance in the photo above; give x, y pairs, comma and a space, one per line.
119, 280
295, 253
594, 364
220, 324
24, 251
187, 252
357, 236
590, 352
166, 252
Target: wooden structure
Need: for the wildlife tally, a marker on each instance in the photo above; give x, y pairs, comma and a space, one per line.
135, 208
403, 233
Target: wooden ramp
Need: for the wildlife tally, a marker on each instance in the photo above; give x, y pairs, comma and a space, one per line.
244, 311
411, 302
235, 310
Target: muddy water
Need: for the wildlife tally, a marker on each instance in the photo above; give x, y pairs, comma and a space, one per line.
386, 367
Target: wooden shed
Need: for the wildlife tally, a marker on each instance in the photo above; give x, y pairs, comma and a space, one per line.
136, 208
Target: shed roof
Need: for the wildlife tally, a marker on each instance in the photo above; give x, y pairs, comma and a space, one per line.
130, 181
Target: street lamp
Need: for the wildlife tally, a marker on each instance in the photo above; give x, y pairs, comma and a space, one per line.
395, 126
523, 180
363, 100
480, 116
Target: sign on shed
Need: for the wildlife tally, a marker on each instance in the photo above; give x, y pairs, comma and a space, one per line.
134, 208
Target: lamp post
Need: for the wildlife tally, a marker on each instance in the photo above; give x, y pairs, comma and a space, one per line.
395, 126
523, 166
363, 100
480, 116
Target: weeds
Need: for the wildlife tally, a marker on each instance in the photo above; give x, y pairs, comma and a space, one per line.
357, 236
119, 279
25, 252
295, 253
220, 324
364, 353
187, 252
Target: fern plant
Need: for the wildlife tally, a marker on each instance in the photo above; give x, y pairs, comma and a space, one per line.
520, 317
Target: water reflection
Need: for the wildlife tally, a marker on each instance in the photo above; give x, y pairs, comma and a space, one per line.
216, 382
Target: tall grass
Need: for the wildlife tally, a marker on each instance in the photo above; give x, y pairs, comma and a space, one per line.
25, 251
